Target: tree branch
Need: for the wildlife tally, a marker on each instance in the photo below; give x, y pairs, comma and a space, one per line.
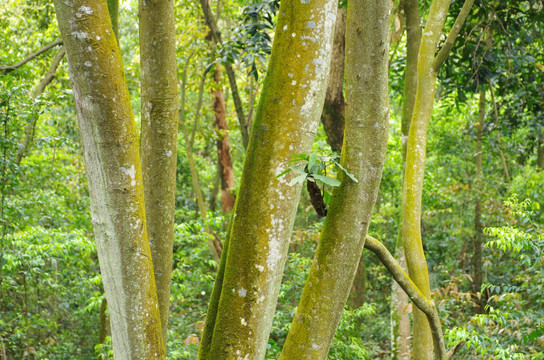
38, 90
417, 297
446, 48
6, 69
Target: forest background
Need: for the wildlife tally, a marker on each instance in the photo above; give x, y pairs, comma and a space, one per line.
488, 106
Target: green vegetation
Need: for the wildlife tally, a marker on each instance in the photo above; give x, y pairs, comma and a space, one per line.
469, 212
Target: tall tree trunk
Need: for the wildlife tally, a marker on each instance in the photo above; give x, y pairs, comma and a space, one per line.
244, 299
333, 109
478, 228
110, 144
400, 319
363, 154
226, 172
428, 66
159, 138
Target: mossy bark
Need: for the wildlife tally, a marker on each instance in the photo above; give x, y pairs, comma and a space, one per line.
158, 146
427, 69
110, 144
285, 124
363, 154
400, 317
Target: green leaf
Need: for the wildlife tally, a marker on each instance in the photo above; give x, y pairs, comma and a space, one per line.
298, 179
327, 180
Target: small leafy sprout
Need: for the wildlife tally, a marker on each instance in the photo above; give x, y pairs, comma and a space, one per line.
314, 167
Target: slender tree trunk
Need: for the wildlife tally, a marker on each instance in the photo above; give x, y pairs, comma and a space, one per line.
358, 288
400, 319
38, 90
478, 227
428, 66
110, 144
226, 172
540, 152
104, 326
158, 146
363, 154
216, 36
333, 109
241, 310
213, 247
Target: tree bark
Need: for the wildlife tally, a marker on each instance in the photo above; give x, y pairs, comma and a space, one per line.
158, 146
363, 154
113, 9
333, 109
240, 314
478, 227
427, 70
224, 159
110, 144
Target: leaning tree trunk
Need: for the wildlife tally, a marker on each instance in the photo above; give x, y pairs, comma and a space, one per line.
427, 70
159, 138
226, 172
400, 317
110, 144
363, 154
241, 310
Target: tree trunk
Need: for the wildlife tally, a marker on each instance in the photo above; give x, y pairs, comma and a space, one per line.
540, 152
428, 66
478, 227
400, 317
358, 288
363, 154
333, 109
245, 295
110, 144
159, 138
226, 172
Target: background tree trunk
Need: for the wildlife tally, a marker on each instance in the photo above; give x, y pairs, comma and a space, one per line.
226, 172
241, 310
363, 154
110, 144
478, 190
